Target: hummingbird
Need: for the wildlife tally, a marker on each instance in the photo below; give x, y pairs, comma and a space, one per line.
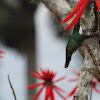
75, 41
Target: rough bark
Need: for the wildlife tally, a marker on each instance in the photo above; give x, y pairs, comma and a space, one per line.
87, 72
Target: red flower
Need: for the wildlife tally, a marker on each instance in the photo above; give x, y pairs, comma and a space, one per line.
80, 7
47, 76
94, 82
1, 52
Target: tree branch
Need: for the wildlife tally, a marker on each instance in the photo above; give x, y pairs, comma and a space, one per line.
60, 9
87, 72
90, 67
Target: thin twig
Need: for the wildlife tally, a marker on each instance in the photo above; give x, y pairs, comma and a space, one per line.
12, 88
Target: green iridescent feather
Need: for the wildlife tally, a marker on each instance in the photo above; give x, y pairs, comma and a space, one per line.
74, 43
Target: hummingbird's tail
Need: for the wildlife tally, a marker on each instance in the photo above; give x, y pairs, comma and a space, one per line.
67, 61
66, 64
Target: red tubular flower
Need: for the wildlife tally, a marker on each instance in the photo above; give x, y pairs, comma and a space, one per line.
1, 52
74, 11
94, 82
98, 5
48, 82
77, 16
80, 7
